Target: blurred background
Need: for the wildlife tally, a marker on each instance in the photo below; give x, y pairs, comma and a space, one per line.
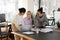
10, 7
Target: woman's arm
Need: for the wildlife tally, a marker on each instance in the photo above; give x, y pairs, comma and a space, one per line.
35, 22
46, 22
14, 28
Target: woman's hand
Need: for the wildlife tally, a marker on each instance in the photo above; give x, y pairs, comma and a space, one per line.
20, 25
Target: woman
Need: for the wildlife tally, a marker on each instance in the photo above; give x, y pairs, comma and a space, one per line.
41, 20
27, 22
18, 22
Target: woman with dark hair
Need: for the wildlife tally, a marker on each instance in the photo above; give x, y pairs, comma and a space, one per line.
41, 20
18, 22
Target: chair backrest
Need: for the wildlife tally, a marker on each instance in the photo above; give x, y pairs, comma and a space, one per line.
2, 18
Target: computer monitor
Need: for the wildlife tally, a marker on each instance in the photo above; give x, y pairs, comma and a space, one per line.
2, 18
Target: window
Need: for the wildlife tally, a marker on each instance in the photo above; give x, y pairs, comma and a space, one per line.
49, 6
36, 6
10, 7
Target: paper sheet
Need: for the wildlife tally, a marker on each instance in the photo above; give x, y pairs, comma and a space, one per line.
46, 30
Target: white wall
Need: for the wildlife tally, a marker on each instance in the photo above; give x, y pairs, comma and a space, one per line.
22, 3
57, 13
57, 16
58, 3
30, 5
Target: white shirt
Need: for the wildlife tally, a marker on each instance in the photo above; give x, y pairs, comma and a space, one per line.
17, 21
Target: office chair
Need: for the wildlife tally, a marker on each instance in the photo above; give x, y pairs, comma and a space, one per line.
2, 25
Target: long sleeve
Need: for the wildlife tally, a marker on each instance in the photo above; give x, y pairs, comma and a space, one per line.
13, 25
45, 21
35, 21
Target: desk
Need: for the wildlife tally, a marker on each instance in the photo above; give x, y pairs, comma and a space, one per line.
23, 36
41, 36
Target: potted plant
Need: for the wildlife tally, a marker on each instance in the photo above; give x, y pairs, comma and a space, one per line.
32, 19
58, 24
